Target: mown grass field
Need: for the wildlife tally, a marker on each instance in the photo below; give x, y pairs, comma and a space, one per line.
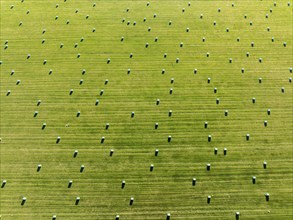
31, 28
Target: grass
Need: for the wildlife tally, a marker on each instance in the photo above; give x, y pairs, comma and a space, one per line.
168, 189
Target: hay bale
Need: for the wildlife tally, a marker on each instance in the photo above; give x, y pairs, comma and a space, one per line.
267, 195
168, 217
247, 137
253, 179
69, 184
193, 181
111, 152
23, 200
208, 167
215, 151
77, 200
209, 138
75, 153
58, 140
237, 215
225, 151
3, 183
209, 199
158, 102
151, 167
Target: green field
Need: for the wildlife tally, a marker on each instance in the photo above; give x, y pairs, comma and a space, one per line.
84, 36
